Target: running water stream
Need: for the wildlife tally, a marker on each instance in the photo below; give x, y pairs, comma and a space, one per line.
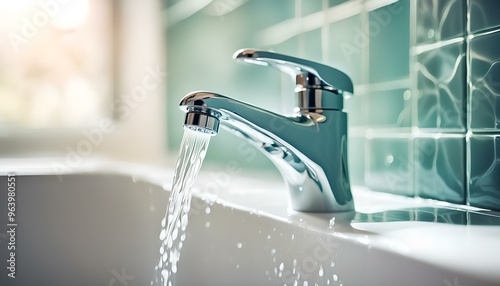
192, 152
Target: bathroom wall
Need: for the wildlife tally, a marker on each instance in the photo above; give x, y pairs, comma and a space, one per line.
483, 117
424, 120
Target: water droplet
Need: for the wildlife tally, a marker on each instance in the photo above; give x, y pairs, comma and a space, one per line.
162, 234
293, 236
306, 283
162, 250
430, 33
320, 272
335, 277
207, 224
268, 236
163, 221
282, 266
406, 95
273, 251
239, 245
207, 210
332, 222
170, 218
389, 159
295, 283
184, 219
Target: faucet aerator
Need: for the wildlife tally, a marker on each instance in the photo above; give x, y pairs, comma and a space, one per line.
202, 120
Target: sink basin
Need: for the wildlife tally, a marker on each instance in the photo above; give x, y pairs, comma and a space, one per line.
101, 226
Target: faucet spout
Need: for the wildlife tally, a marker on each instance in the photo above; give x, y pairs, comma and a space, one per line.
309, 148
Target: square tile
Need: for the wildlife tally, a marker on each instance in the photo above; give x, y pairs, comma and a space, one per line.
355, 108
389, 42
439, 20
441, 88
289, 47
389, 165
309, 7
483, 15
485, 171
346, 47
356, 159
440, 171
310, 45
485, 83
332, 3
389, 108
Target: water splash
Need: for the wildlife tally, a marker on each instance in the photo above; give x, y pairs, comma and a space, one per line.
193, 149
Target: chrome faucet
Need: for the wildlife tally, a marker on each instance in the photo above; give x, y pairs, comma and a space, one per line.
309, 148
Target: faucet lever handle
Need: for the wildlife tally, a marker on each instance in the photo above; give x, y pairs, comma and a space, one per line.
329, 78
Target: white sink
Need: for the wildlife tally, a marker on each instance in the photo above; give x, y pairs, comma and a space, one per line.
101, 226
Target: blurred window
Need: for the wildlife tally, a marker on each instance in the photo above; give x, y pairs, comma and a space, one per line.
55, 63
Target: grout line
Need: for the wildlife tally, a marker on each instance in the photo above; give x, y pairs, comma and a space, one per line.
375, 133
325, 37
182, 10
419, 49
405, 132
488, 31
485, 133
365, 61
297, 17
290, 28
468, 100
413, 77
388, 85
